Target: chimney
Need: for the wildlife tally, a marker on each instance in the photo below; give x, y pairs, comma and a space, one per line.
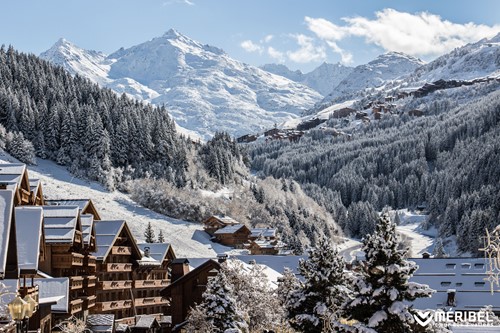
221, 257
451, 297
146, 251
180, 267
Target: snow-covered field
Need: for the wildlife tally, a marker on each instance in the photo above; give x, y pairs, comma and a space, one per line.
188, 239
410, 228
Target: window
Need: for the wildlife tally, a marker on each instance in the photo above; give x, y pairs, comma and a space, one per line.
479, 284
458, 284
445, 283
465, 266
479, 266
450, 266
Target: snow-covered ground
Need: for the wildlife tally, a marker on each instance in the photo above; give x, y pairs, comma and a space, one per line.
188, 239
411, 228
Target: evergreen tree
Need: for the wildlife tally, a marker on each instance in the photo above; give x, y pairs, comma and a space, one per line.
314, 304
161, 238
439, 251
149, 234
219, 307
381, 288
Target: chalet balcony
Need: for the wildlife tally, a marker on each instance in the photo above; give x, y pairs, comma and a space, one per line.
121, 250
90, 261
76, 282
78, 237
76, 305
89, 301
113, 305
89, 281
118, 267
67, 260
150, 283
150, 301
112, 285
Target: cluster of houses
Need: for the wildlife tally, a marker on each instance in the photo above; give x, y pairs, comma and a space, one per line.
59, 260
292, 135
227, 231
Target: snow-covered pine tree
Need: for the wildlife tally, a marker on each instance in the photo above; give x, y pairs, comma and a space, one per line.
439, 251
381, 287
161, 238
314, 304
219, 308
149, 234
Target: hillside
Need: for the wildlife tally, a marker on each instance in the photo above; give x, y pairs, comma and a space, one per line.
203, 88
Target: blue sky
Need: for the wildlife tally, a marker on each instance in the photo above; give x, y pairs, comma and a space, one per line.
299, 33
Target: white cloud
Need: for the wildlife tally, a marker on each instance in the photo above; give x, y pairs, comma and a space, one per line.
420, 34
308, 51
275, 54
267, 39
250, 46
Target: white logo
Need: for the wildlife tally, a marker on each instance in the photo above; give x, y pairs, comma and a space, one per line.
423, 318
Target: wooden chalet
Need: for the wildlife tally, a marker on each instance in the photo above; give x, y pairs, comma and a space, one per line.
416, 113
233, 235
146, 324
15, 176
116, 255
262, 233
342, 113
272, 132
247, 138
216, 222
152, 274
67, 256
265, 247
187, 287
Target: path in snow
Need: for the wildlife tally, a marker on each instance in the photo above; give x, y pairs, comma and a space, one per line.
410, 228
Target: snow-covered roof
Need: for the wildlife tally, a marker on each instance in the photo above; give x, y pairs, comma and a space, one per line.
34, 185
6, 208
60, 223
11, 286
55, 287
225, 219
147, 260
464, 275
12, 172
263, 244
81, 203
101, 322
146, 321
87, 221
277, 263
106, 233
263, 232
29, 224
156, 250
230, 229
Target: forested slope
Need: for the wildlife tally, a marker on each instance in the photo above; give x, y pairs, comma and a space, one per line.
447, 161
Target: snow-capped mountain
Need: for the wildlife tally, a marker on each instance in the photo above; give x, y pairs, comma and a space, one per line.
472, 61
386, 67
203, 88
322, 79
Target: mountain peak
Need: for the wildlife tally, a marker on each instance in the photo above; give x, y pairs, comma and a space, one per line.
172, 33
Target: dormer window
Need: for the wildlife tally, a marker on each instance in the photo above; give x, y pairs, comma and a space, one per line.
450, 266
445, 283
479, 284
479, 266
465, 266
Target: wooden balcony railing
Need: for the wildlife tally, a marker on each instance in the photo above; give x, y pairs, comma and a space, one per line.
67, 260
25, 195
151, 283
89, 301
78, 236
76, 282
76, 305
90, 261
110, 285
113, 305
89, 281
148, 301
118, 267
121, 250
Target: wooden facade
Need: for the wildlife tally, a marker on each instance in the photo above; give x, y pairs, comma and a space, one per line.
216, 222
187, 290
234, 235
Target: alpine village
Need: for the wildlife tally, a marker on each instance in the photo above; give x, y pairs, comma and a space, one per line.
168, 187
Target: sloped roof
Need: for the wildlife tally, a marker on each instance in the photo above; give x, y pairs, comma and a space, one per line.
263, 232
156, 250
29, 225
12, 172
6, 208
208, 262
60, 223
55, 287
87, 221
465, 275
146, 321
224, 219
230, 229
106, 234
83, 204
101, 322
35, 185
